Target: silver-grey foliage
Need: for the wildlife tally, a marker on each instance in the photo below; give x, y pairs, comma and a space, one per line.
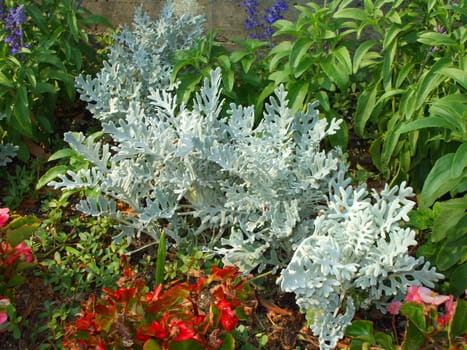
262, 196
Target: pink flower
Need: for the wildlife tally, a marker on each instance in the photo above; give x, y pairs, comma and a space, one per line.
23, 251
4, 216
423, 295
3, 315
3, 319
450, 307
394, 307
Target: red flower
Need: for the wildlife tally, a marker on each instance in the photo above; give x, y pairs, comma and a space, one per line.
182, 330
228, 318
155, 329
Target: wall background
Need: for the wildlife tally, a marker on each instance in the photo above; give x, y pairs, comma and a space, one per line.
227, 16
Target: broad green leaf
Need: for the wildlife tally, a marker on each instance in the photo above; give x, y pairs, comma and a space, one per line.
278, 52
151, 344
359, 54
458, 282
451, 252
228, 342
238, 55
335, 73
390, 35
459, 321
428, 122
21, 111
416, 315
455, 74
299, 49
303, 67
439, 181
387, 66
297, 94
429, 82
436, 39
20, 229
246, 63
403, 74
42, 88
281, 76
459, 162
385, 341
362, 330
450, 214
351, 13
343, 56
365, 106
5, 81
63, 153
51, 174
391, 140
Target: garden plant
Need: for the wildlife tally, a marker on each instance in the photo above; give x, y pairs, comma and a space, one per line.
216, 198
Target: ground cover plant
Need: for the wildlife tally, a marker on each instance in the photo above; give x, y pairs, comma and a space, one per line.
234, 217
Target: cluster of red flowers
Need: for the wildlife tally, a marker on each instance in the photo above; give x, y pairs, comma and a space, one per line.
203, 312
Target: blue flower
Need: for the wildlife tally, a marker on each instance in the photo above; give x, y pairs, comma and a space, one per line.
13, 22
261, 28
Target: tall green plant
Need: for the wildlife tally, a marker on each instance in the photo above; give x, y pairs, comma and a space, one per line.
43, 47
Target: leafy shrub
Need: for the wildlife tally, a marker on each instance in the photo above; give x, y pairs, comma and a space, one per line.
43, 47
262, 196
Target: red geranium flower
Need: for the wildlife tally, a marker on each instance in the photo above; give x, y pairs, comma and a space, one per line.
228, 318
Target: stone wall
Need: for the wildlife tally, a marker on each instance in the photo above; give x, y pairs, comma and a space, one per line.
227, 16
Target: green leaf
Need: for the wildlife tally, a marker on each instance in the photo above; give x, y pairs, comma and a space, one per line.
351, 13
455, 74
21, 111
365, 106
385, 341
459, 321
439, 181
299, 49
185, 345
151, 344
228, 342
20, 229
5, 81
160, 262
362, 330
459, 162
51, 174
63, 153
297, 94
457, 280
428, 122
450, 214
343, 56
436, 39
416, 315
451, 252
360, 53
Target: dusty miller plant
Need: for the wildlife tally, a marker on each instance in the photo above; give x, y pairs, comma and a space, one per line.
139, 60
254, 194
357, 251
200, 175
